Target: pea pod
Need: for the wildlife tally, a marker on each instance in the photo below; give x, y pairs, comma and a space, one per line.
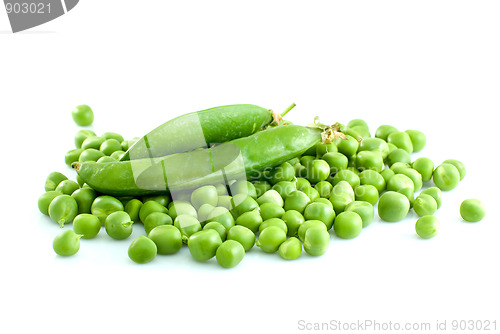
239, 158
202, 129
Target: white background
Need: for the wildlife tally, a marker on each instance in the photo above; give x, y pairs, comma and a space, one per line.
427, 65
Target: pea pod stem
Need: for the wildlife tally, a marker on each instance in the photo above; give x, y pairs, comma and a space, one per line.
290, 107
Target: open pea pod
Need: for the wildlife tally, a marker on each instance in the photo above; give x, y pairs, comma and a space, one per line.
233, 160
202, 129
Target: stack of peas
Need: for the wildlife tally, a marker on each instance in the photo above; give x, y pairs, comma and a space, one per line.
292, 207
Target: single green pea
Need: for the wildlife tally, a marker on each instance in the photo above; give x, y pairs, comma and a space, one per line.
427, 227
105, 159
337, 161
283, 172
316, 241
142, 250
271, 238
250, 220
45, 199
347, 147
384, 131
176, 208
398, 155
90, 154
324, 188
133, 207
94, 142
424, 205
297, 200
321, 212
387, 174
242, 203
393, 206
204, 211
118, 225
290, 249
53, 180
346, 175
271, 196
415, 177
206, 194
218, 227
322, 149
435, 192
364, 209
459, 165
87, 225
301, 233
367, 193
293, 220
398, 167
373, 178
243, 235
294, 161
81, 135
285, 188
371, 160
72, 156
472, 210
117, 155
67, 187
348, 225
391, 147
417, 138
374, 145
109, 146
341, 195
402, 184
302, 183
105, 205
306, 159
318, 170
168, 239
311, 192
126, 144
446, 176
63, 209
273, 222
112, 135
84, 197
401, 140
243, 187
324, 201
188, 225
79, 180
221, 215
82, 115
229, 254
425, 167
203, 244
271, 210
155, 219
363, 131
357, 122
261, 187
66, 243
225, 201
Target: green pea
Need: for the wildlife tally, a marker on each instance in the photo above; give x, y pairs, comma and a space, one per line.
322, 149
297, 200
45, 199
67, 187
415, 177
206, 194
373, 178
398, 167
261, 187
301, 233
472, 210
271, 196
305, 159
367, 193
204, 211
66, 243
105, 159
402, 184
384, 131
285, 188
243, 187
417, 138
79, 180
243, 235
346, 175
347, 147
348, 225
324, 201
225, 201
273, 222
341, 195
290, 249
161, 199
324, 188
84, 197
168, 239
109, 146
250, 220
63, 209
364, 209
87, 225
435, 192
401, 140
316, 241
311, 192
155, 219
222, 216
321, 212
271, 238
318, 170
188, 225
293, 220
82, 115
218, 227
94, 142
271, 210
142, 250
427, 227
302, 183
369, 160
387, 174
72, 156
336, 161
53, 180
133, 207
393, 206
374, 145
425, 167
459, 165
90, 154
364, 132
398, 155
446, 176
357, 122
112, 135
300, 171
81, 135
105, 205
391, 147
283, 172
118, 225
229, 254
243, 203
203, 244
424, 205
176, 208
117, 155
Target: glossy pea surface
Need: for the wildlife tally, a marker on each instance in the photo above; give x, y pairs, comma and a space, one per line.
219, 228
45, 199
188, 225
446, 176
142, 250
424, 205
82, 115
393, 206
87, 225
298, 201
156, 219
290, 249
316, 241
425, 167
66, 243
364, 209
417, 138
427, 227
243, 235
250, 220
347, 225
271, 210
63, 209
203, 244
84, 197
229, 254
320, 211
118, 225
270, 239
104, 206
53, 180
168, 239
472, 210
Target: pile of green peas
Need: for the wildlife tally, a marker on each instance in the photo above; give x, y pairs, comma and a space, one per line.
331, 189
